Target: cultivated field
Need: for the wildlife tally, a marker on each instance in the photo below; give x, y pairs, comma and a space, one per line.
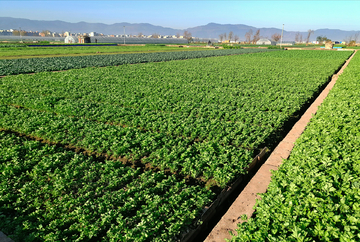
136, 152
12, 51
19, 66
315, 194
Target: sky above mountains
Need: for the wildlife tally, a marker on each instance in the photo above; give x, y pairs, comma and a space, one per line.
180, 14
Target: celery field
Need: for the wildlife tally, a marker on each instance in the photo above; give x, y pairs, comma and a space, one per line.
136, 152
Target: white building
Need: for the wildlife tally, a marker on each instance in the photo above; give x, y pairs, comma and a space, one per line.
265, 42
71, 39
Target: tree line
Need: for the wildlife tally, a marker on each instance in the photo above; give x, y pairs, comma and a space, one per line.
251, 38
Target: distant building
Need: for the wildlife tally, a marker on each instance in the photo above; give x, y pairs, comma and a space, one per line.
286, 43
265, 42
5, 32
84, 39
71, 39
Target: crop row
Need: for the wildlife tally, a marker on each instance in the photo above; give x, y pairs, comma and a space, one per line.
212, 138
18, 66
210, 97
50, 194
207, 159
315, 194
203, 118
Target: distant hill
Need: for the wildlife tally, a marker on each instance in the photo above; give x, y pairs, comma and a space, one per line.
211, 30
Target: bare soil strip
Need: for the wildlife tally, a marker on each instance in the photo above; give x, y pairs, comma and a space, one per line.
245, 202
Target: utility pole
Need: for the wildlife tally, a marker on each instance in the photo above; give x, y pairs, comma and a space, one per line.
124, 34
282, 32
20, 34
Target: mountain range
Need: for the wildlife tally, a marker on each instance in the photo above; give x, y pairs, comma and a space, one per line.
211, 30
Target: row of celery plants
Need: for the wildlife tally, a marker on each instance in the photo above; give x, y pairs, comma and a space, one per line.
180, 155
247, 95
194, 137
31, 65
315, 194
48, 193
213, 101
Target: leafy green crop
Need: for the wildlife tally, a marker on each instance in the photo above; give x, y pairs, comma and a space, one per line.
201, 119
51, 194
315, 195
18, 66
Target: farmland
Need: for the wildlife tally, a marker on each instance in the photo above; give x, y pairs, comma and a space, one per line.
23, 51
18, 66
314, 196
137, 151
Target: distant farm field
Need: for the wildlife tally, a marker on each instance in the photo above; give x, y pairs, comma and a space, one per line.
136, 152
31, 52
29, 65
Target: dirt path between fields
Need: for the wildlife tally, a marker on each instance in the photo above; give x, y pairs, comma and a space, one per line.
245, 202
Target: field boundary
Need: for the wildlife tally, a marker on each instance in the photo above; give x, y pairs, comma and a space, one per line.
245, 202
211, 211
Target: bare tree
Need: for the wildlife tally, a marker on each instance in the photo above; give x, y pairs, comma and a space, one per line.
155, 36
231, 35
256, 36
248, 36
140, 35
322, 39
221, 37
16, 33
236, 38
310, 32
224, 36
177, 35
349, 39
187, 34
297, 37
46, 32
301, 38
276, 37
356, 37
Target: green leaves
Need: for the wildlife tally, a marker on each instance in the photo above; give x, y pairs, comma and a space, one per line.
314, 196
169, 114
19, 66
64, 195
202, 119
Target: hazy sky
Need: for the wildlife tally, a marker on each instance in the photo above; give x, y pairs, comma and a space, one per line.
296, 15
